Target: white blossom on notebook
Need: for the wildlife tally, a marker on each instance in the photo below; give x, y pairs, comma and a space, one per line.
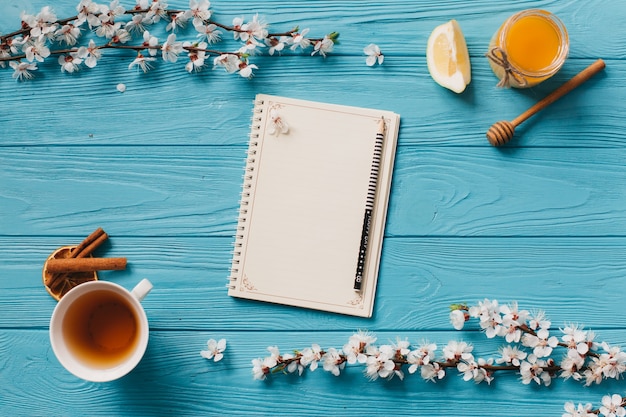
277, 124
113, 26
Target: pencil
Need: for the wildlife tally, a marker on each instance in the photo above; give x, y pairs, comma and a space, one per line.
369, 204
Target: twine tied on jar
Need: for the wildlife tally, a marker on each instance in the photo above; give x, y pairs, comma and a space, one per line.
500, 58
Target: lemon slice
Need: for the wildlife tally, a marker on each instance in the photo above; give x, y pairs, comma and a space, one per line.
447, 57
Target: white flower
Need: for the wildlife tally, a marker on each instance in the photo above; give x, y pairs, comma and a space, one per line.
485, 309
36, 50
255, 29
401, 347
593, 373
68, 34
539, 321
299, 40
358, 342
512, 313
490, 319
422, 356
613, 361
576, 338
150, 42
121, 36
90, 54
380, 364
373, 55
238, 26
542, 343
16, 44
200, 11
276, 127
43, 24
262, 367
197, 55
469, 369
113, 10
613, 406
158, 10
215, 350
107, 29
294, 364
432, 371
230, 62
137, 23
22, 70
142, 62
69, 63
171, 48
457, 318
332, 362
209, 33
474, 370
311, 356
511, 355
324, 46
87, 10
245, 69
580, 411
457, 350
533, 370
178, 20
276, 45
571, 364
121, 87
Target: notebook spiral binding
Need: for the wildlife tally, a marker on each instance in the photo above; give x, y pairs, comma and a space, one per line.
248, 184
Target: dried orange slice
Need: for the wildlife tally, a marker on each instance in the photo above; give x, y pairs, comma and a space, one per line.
58, 285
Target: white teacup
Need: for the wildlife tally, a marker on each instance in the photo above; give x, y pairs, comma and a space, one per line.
99, 330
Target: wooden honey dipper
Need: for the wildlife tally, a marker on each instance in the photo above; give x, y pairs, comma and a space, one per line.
502, 132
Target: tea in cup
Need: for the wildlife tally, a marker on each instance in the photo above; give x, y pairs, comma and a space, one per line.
99, 330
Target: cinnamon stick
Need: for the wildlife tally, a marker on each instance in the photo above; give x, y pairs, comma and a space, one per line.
83, 250
90, 243
85, 264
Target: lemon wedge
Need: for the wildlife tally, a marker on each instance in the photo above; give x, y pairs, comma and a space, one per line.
447, 57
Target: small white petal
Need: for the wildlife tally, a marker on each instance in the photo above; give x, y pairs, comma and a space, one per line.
121, 87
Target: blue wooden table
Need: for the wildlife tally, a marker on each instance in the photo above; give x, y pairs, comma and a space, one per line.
541, 221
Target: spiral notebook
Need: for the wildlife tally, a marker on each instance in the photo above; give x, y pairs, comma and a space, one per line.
314, 203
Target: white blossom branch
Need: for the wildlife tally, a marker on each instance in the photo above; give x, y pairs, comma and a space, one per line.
42, 36
529, 352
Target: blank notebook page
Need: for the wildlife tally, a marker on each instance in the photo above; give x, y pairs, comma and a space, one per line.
303, 206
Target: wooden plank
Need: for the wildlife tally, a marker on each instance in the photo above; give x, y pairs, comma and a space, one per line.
194, 191
214, 108
431, 114
389, 22
577, 280
174, 379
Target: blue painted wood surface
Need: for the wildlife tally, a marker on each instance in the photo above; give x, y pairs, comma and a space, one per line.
541, 221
